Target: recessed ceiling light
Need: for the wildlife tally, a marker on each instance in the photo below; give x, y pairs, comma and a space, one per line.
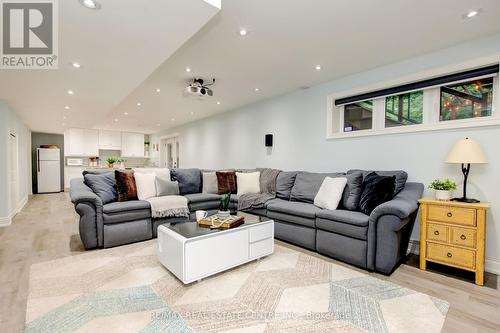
471, 14
317, 67
116, 120
188, 69
125, 113
243, 32
71, 92
218, 102
192, 113
158, 125
173, 119
139, 103
257, 89
76, 65
64, 117
67, 107
158, 90
90, 4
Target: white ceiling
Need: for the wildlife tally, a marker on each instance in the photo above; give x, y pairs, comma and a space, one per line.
119, 46
286, 39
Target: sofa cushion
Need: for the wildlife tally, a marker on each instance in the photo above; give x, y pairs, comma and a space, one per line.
125, 185
247, 182
164, 186
344, 216
352, 191
292, 219
189, 180
103, 185
330, 193
294, 208
401, 177
307, 185
210, 183
284, 184
118, 212
376, 190
226, 182
145, 183
202, 197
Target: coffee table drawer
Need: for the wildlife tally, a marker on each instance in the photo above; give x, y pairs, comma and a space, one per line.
261, 248
260, 232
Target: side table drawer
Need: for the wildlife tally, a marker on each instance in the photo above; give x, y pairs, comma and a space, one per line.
453, 255
463, 237
261, 232
437, 232
456, 215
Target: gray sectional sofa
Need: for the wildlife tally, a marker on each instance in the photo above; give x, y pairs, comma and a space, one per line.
376, 242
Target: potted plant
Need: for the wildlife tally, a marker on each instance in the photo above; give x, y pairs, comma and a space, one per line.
224, 206
111, 161
443, 188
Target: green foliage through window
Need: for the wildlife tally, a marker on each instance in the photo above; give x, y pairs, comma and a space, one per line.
404, 109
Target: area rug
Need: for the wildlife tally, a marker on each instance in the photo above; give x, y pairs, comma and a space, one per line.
126, 289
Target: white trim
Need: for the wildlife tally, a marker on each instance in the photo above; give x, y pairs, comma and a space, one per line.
492, 265
431, 121
6, 221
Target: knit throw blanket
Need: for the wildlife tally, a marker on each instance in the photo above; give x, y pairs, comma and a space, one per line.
169, 206
267, 189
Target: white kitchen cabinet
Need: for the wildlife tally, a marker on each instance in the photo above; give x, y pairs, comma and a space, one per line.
71, 172
81, 142
110, 140
132, 144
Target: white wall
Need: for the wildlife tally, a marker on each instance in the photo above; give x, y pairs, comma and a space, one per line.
298, 122
11, 124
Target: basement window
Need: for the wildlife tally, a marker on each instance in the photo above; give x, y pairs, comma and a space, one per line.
404, 109
358, 116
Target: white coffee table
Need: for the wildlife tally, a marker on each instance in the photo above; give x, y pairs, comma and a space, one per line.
192, 253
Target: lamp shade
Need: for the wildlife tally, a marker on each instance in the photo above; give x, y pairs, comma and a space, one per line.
466, 151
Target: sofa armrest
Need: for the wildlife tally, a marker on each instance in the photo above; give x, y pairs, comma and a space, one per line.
81, 193
402, 205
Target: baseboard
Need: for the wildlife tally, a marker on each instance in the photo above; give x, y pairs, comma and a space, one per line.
492, 265
6, 221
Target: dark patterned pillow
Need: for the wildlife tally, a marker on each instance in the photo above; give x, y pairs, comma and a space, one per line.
125, 185
226, 182
376, 190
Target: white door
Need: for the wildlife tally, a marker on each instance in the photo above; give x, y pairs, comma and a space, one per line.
13, 173
170, 153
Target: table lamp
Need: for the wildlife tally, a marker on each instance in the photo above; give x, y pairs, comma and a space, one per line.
466, 152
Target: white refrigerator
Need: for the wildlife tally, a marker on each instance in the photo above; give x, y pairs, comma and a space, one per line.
48, 170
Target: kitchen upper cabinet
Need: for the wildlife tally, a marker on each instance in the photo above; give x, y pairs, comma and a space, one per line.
132, 144
81, 142
110, 140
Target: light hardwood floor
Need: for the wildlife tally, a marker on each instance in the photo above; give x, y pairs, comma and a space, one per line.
47, 228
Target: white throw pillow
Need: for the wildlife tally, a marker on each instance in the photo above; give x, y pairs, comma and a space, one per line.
247, 182
159, 171
330, 193
145, 184
210, 184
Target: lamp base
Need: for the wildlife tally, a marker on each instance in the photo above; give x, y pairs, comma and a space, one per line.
467, 200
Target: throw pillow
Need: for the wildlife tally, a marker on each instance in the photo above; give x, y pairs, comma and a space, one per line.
103, 184
164, 186
145, 183
401, 177
376, 190
352, 191
226, 182
125, 185
189, 180
158, 171
247, 182
284, 184
330, 193
307, 185
210, 183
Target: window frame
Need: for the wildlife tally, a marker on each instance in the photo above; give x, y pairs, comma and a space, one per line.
431, 106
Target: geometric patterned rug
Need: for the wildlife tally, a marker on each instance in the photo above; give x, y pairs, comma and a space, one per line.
126, 289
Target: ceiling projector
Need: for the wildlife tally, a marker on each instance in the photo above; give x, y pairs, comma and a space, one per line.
198, 88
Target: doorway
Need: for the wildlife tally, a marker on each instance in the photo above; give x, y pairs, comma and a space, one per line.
169, 152
13, 174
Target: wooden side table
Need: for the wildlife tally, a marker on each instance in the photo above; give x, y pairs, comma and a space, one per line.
454, 234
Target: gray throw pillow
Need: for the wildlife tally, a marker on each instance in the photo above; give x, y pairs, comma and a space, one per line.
103, 185
165, 186
401, 177
189, 180
352, 191
210, 184
284, 184
307, 185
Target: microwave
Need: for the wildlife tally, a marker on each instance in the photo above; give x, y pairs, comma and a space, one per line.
74, 162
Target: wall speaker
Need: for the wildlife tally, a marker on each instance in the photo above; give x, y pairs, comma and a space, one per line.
269, 140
